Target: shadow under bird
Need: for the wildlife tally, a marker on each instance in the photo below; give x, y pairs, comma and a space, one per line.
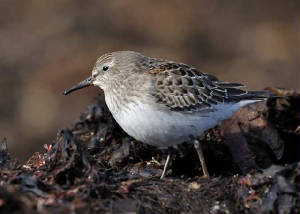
165, 103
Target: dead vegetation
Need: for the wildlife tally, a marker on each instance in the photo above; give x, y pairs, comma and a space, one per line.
96, 167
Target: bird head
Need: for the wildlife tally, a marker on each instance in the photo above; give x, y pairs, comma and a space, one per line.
109, 67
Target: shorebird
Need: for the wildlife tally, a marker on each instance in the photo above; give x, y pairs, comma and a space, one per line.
164, 103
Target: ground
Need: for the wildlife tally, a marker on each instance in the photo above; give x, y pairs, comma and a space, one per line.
95, 167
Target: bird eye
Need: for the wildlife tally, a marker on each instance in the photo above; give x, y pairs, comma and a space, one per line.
105, 68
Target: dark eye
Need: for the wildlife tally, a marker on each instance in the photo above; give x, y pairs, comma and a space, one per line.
105, 68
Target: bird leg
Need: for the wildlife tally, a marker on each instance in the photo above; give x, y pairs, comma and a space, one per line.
165, 166
198, 147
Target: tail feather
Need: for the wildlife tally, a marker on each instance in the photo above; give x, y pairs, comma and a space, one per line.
257, 95
236, 92
230, 85
249, 96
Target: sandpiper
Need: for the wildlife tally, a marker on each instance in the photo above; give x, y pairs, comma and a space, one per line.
164, 103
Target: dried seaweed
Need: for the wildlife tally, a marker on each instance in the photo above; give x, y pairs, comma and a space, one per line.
95, 167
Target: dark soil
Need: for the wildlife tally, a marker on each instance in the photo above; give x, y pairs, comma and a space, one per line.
93, 167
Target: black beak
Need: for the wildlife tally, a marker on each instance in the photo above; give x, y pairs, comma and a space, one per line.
85, 83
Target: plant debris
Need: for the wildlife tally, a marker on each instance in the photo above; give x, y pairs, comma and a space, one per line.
96, 167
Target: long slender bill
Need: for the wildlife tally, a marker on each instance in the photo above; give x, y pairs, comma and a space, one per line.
85, 83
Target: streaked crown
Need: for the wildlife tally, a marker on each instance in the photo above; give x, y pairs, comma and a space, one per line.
117, 65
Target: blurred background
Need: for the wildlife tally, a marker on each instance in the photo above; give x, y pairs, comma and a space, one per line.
47, 46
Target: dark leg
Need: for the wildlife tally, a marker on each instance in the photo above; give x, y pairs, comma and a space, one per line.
198, 147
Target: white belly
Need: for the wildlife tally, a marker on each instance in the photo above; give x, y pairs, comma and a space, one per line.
153, 126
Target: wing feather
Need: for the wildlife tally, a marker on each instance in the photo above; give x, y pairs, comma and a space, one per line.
184, 88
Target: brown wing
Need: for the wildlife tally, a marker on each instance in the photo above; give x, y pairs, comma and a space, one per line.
183, 88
